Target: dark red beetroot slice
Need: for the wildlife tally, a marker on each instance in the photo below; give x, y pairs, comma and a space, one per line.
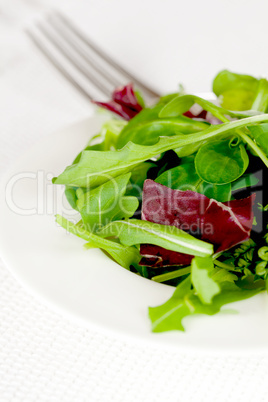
125, 96
124, 102
222, 224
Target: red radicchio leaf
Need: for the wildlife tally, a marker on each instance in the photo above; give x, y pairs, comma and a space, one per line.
155, 256
115, 107
124, 102
222, 224
201, 115
125, 96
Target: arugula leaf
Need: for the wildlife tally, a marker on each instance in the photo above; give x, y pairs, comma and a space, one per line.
103, 141
108, 136
125, 256
135, 231
145, 116
263, 253
260, 135
70, 194
241, 92
248, 260
146, 127
220, 275
148, 133
95, 167
184, 177
172, 275
138, 176
188, 150
201, 276
102, 180
250, 282
169, 315
182, 103
139, 98
184, 302
263, 208
247, 180
219, 162
261, 99
106, 203
106, 140
237, 91
221, 193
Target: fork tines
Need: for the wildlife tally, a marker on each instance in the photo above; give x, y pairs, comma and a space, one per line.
82, 62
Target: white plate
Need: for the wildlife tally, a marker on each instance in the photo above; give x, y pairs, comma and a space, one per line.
87, 285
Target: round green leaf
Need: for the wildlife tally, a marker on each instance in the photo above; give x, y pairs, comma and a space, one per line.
219, 162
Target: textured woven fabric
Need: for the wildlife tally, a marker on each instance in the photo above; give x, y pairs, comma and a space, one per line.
43, 356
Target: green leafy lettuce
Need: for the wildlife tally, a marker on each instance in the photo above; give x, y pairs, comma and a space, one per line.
104, 185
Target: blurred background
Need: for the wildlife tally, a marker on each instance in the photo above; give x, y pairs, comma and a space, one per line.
164, 42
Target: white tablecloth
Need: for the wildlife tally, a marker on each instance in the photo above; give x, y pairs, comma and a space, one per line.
43, 356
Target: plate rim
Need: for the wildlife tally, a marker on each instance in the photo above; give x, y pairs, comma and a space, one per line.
61, 310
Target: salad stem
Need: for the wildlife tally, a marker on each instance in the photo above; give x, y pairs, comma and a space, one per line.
248, 140
254, 146
226, 266
172, 275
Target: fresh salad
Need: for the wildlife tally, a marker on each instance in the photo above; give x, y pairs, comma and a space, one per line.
175, 193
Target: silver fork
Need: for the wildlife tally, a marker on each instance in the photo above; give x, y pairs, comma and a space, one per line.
83, 63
